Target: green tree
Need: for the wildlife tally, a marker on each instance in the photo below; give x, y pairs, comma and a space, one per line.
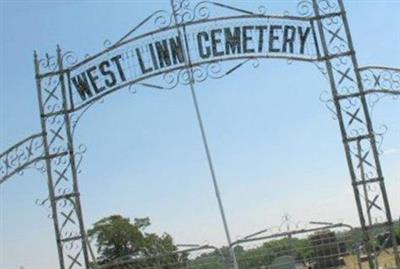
117, 239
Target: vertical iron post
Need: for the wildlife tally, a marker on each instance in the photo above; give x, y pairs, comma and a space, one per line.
188, 63
60, 163
373, 144
343, 131
48, 161
74, 175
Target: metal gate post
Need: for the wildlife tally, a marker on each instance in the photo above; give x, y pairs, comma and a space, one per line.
60, 163
356, 127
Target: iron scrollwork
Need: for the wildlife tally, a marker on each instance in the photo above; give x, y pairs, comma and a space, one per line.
305, 8
202, 10
22, 155
383, 79
202, 73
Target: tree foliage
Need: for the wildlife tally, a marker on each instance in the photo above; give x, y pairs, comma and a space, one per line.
117, 239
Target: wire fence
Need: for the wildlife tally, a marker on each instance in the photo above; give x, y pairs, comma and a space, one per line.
202, 257
328, 246
317, 248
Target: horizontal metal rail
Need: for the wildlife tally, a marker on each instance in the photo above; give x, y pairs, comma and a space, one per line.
294, 232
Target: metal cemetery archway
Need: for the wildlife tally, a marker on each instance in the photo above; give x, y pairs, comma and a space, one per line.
186, 47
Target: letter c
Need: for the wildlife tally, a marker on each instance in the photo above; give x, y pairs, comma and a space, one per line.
204, 51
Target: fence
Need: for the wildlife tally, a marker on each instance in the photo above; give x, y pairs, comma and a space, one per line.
327, 246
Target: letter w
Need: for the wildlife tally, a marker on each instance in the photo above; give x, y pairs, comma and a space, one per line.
82, 85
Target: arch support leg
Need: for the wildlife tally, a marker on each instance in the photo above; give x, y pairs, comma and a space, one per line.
61, 167
357, 131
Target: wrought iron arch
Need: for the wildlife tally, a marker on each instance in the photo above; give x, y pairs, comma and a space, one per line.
63, 100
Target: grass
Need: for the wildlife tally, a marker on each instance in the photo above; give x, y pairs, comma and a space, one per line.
385, 260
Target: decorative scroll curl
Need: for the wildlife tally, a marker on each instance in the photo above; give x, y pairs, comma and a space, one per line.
69, 59
305, 8
326, 98
202, 10
185, 13
380, 133
200, 73
20, 156
328, 6
48, 63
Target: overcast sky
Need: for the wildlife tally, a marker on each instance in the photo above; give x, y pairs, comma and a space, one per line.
276, 148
